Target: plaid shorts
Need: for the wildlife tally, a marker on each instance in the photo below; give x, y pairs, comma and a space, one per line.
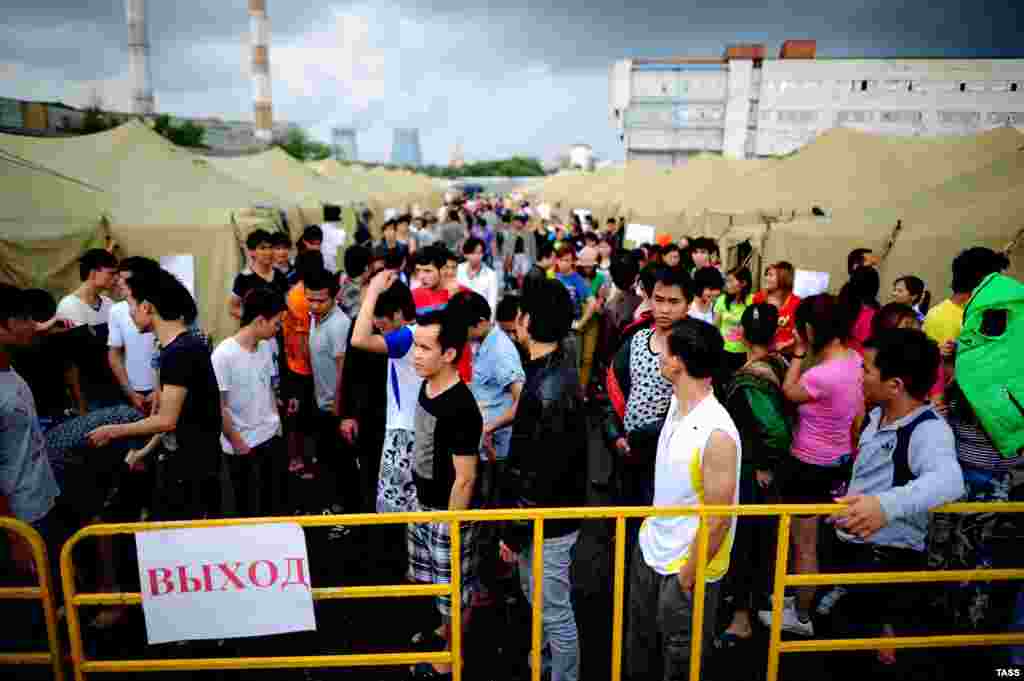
430, 558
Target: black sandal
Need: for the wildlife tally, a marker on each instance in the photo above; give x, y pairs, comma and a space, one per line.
424, 671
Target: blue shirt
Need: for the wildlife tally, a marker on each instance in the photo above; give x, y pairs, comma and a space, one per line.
496, 367
26, 479
579, 291
937, 477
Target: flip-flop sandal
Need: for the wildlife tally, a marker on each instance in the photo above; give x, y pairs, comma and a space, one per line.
729, 641
424, 671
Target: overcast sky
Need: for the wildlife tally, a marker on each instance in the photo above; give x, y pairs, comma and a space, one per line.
501, 77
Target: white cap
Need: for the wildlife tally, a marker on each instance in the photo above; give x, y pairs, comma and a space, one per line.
390, 214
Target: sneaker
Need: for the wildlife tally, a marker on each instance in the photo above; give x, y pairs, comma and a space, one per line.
790, 621
829, 600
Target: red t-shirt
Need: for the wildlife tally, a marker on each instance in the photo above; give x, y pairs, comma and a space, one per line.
786, 335
430, 300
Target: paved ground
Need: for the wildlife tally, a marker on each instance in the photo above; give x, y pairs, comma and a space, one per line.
496, 648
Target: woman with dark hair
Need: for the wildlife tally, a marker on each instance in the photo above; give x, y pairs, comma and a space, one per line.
671, 255
778, 291
830, 403
755, 401
729, 310
910, 290
894, 316
859, 298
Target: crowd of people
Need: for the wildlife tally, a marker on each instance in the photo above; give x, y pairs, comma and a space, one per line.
464, 360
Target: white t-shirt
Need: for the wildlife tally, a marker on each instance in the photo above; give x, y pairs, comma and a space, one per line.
139, 348
76, 310
485, 283
327, 341
247, 379
678, 481
403, 381
334, 238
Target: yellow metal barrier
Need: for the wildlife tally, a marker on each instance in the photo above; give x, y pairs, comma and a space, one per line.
453, 656
43, 593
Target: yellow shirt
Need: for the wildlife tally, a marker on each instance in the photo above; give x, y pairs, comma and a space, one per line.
944, 321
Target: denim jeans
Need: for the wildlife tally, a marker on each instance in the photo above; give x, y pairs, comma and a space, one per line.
559, 630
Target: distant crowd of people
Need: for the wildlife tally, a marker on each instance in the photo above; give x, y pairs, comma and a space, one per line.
462, 362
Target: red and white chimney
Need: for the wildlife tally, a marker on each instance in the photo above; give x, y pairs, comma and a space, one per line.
260, 31
138, 58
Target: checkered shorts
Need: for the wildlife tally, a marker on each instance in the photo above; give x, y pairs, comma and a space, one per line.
430, 558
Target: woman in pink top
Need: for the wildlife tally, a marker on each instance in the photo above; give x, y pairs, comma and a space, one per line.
830, 403
860, 299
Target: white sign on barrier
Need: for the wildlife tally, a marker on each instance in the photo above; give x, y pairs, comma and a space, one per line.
639, 234
224, 582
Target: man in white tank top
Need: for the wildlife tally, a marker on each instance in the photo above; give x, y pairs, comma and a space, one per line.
698, 463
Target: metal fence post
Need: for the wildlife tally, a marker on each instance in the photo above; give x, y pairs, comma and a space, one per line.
778, 595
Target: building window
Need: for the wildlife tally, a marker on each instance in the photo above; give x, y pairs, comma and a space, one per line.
963, 87
898, 117
1013, 87
863, 86
960, 117
910, 86
854, 116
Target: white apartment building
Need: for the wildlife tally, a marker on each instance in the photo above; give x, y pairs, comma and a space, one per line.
667, 110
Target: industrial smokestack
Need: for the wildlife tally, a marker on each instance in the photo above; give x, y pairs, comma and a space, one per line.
138, 57
260, 29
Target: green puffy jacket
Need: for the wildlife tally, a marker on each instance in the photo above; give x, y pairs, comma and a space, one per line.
763, 417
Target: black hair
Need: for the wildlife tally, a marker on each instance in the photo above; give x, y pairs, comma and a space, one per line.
668, 248
449, 254
855, 259
398, 298
916, 287
379, 252
137, 263
313, 233
278, 239
454, 332
550, 309
703, 243
453, 216
306, 262
760, 322
648, 277
707, 278
389, 224
431, 256
699, 345
545, 250
471, 306
481, 221
472, 243
826, 316
95, 259
673, 276
321, 280
257, 238
395, 258
742, 275
590, 237
13, 305
261, 302
907, 354
861, 290
357, 260
624, 270
41, 304
165, 293
890, 317
973, 265
508, 308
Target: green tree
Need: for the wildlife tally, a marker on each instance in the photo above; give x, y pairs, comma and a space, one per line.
94, 121
302, 147
517, 166
188, 134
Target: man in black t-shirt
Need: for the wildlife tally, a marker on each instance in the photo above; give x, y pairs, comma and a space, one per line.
260, 273
187, 486
449, 428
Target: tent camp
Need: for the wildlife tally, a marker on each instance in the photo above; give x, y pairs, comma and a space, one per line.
162, 201
41, 237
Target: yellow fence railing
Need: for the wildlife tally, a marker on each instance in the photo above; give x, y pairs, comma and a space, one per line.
43, 593
83, 666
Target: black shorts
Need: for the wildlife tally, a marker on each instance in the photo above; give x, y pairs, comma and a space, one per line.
301, 388
807, 483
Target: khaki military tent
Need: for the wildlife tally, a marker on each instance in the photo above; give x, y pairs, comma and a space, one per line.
47, 220
162, 201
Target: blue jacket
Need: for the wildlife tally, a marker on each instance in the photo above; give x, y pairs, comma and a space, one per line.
937, 478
